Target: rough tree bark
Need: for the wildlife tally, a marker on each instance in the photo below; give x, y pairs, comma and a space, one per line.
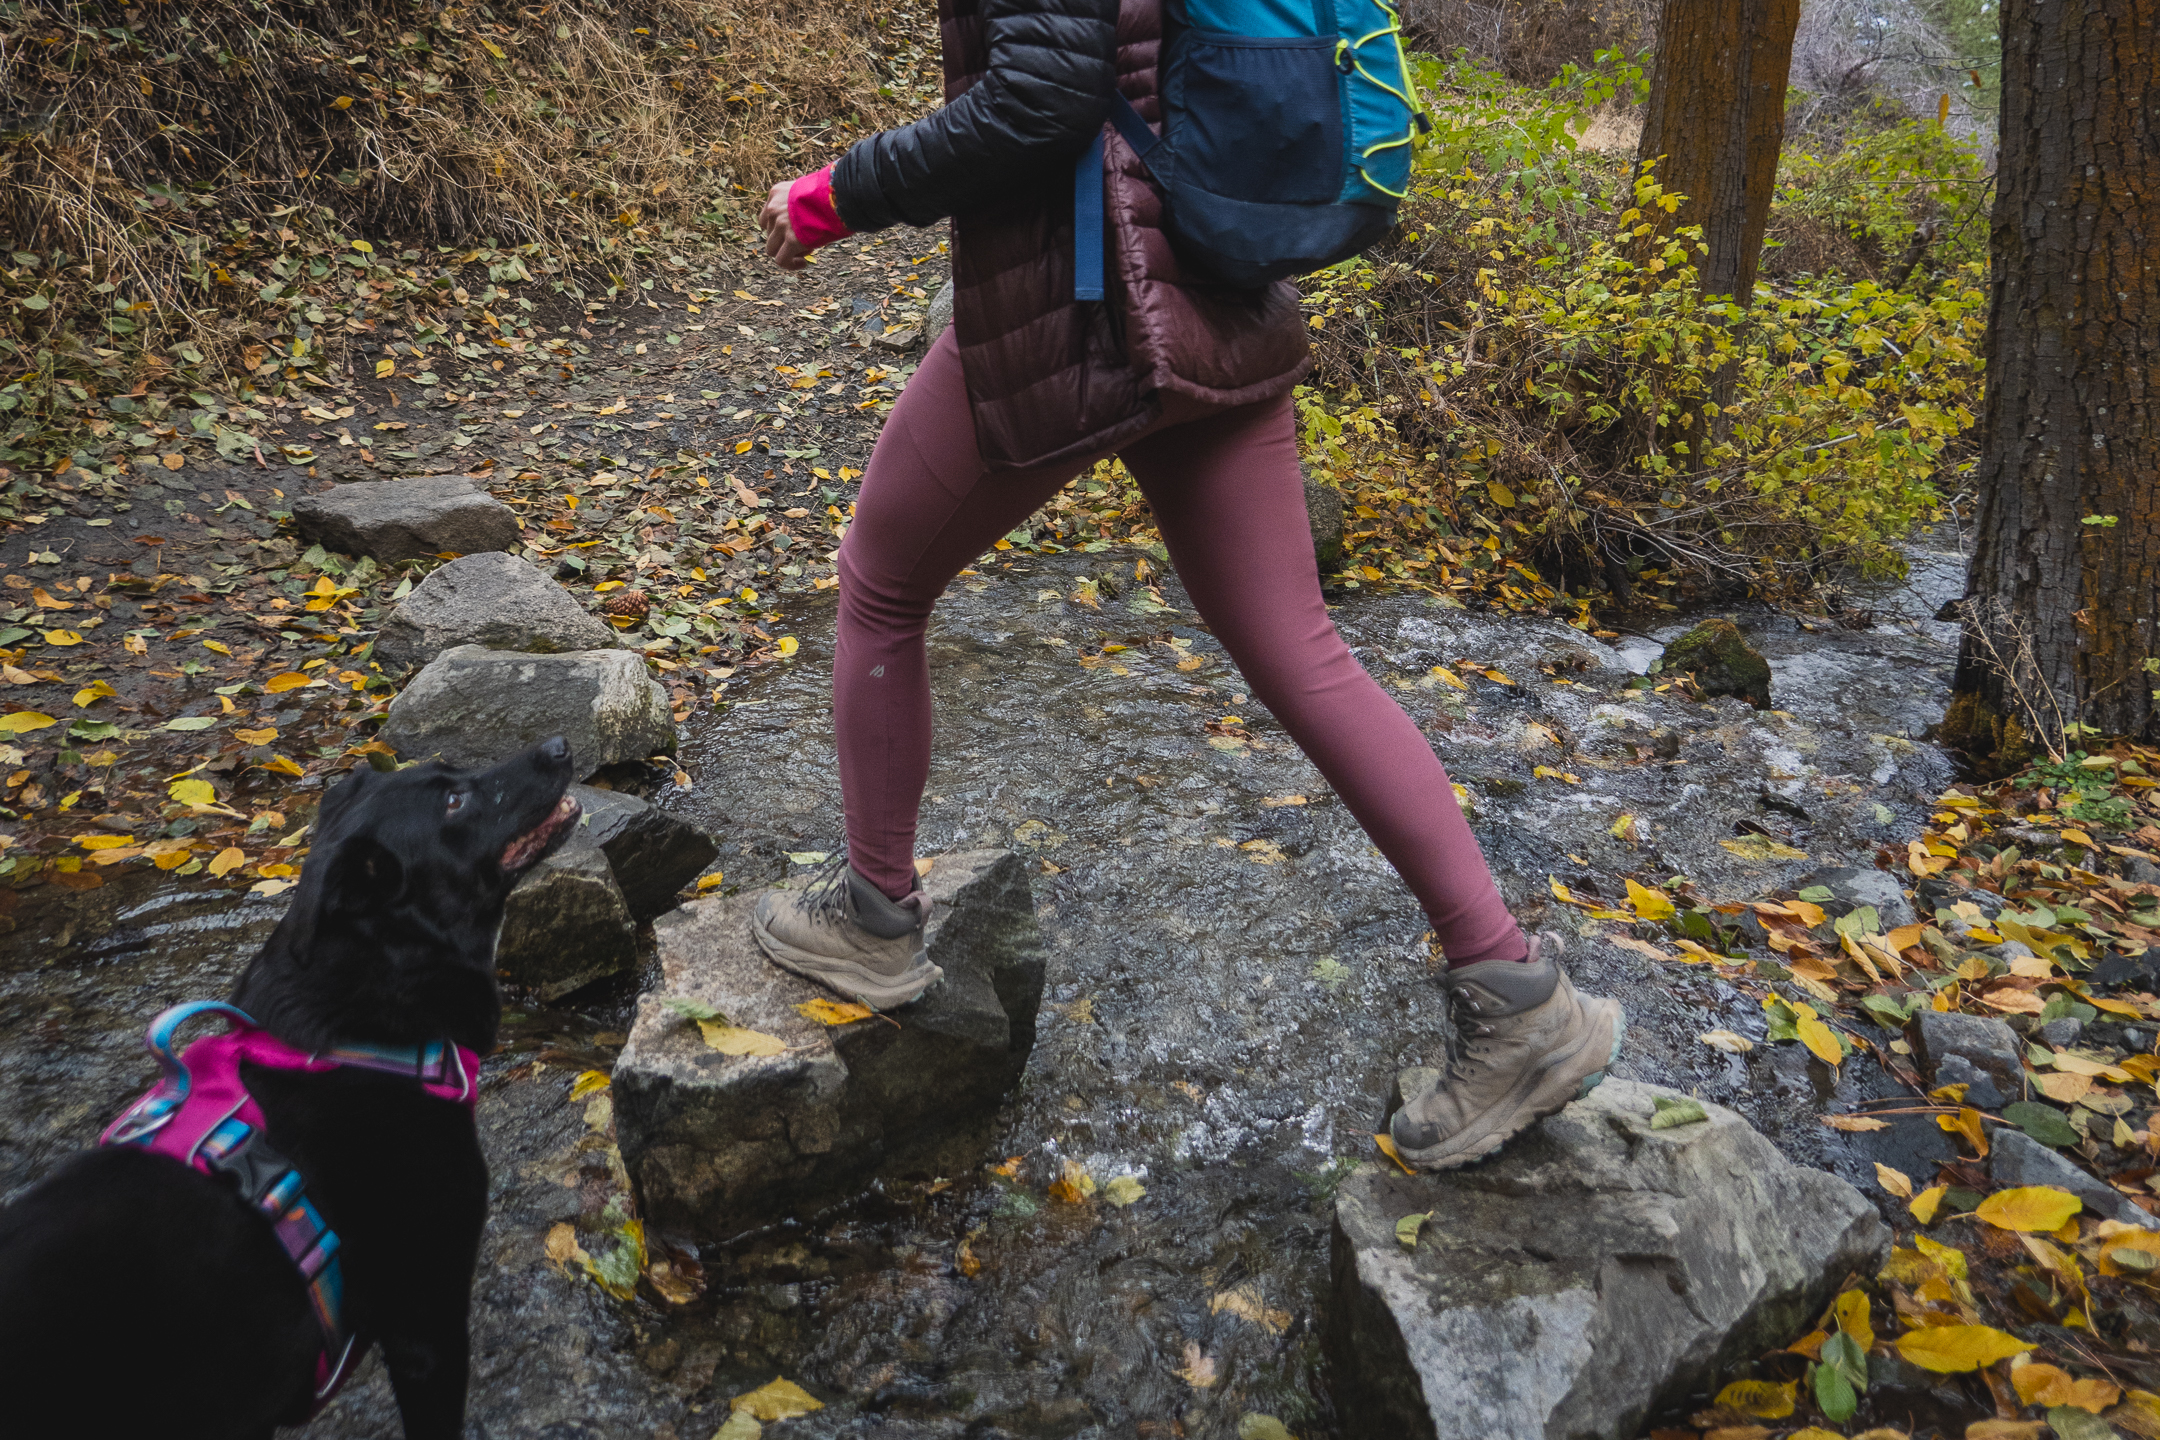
2071, 428
1717, 118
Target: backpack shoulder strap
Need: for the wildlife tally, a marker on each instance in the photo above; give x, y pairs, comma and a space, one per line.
1088, 194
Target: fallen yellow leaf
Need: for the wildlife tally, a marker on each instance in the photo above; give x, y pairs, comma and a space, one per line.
1649, 904
256, 737
777, 1400
833, 1012
1073, 1185
1851, 1310
92, 693
1760, 1398
1925, 1203
1387, 1148
2030, 1207
62, 637
1820, 1040
1955, 1349
231, 858
1897, 1182
290, 680
734, 1040
587, 1082
192, 792
1245, 1303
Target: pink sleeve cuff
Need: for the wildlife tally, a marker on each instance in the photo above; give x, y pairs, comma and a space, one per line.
811, 214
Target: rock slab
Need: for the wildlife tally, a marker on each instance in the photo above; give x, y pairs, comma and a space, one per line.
472, 706
1595, 1269
720, 1143
1984, 1045
406, 519
566, 924
495, 601
2015, 1158
653, 854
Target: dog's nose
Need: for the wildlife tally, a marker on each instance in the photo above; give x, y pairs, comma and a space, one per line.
555, 749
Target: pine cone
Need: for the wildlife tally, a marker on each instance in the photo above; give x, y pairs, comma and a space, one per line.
629, 604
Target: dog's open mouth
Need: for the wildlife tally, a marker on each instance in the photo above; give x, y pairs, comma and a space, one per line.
531, 845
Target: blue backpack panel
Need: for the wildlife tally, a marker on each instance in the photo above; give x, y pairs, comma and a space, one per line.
1287, 131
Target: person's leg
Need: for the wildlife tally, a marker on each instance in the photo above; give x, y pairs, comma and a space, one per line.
1231, 503
928, 507
1229, 498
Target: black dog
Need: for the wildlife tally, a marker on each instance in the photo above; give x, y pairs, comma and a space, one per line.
148, 1299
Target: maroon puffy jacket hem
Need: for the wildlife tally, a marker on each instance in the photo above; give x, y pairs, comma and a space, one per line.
1050, 378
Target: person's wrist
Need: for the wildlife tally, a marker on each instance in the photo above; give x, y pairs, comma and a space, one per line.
812, 215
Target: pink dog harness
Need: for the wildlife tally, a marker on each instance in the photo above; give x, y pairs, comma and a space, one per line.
201, 1115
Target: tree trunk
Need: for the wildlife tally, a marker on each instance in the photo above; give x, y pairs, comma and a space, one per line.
1716, 120
2064, 596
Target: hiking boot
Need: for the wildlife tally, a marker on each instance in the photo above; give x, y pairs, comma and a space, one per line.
844, 932
1526, 1044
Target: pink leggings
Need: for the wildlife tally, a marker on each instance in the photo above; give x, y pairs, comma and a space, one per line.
1230, 504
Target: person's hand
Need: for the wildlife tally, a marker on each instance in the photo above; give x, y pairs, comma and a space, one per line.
781, 246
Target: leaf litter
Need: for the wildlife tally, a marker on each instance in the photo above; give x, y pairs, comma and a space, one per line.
2037, 899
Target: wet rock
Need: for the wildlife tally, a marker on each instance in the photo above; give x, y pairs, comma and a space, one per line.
405, 519
1722, 662
1854, 886
1980, 1087
1593, 1270
897, 342
1986, 1045
496, 601
472, 706
1324, 509
2063, 1031
939, 316
653, 854
2015, 1158
717, 1143
566, 924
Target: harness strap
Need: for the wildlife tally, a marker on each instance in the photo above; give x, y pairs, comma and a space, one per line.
231, 1144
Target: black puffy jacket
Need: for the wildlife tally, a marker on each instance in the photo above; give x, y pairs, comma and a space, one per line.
1044, 95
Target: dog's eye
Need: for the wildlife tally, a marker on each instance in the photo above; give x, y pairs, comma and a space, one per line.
456, 802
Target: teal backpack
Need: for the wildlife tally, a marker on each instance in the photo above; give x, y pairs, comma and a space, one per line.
1287, 131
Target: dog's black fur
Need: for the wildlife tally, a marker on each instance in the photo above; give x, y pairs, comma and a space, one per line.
147, 1299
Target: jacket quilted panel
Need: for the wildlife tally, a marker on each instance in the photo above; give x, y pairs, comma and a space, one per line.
1050, 378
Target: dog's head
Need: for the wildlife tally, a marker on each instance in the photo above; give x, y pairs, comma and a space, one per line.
391, 933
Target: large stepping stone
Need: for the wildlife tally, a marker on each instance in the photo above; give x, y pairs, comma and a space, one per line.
472, 706
406, 519
719, 1143
1594, 1269
493, 600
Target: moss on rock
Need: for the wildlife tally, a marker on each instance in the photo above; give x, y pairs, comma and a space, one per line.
1722, 662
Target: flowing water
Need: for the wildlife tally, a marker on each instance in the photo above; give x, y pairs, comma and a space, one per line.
1235, 974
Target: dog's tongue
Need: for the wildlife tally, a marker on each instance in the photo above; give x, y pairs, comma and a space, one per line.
520, 852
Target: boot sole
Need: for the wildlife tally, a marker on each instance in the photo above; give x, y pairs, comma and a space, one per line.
867, 987
1438, 1157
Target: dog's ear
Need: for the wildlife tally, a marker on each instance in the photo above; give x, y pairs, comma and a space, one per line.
341, 797
364, 873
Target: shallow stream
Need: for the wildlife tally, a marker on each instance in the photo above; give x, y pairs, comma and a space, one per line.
1235, 974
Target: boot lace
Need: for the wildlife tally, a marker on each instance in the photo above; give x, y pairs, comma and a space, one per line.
1465, 1032
826, 897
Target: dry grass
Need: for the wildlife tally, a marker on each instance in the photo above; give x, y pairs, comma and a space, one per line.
540, 124
207, 169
